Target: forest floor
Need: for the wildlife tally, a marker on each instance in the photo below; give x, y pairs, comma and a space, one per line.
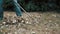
36, 23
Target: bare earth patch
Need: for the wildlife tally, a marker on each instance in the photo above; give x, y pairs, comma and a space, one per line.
36, 23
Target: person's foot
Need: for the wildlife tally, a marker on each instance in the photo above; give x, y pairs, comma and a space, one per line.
19, 18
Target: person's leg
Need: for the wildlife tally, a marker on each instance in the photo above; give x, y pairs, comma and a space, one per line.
1, 9
17, 8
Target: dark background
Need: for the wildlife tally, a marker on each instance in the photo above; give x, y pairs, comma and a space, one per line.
35, 5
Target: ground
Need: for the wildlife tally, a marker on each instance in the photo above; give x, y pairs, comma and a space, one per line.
33, 23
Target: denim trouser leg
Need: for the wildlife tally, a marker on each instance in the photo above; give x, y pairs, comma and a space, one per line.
17, 8
1, 9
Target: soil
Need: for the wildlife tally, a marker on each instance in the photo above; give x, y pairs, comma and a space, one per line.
33, 23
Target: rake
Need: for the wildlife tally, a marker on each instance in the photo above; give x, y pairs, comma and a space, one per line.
26, 12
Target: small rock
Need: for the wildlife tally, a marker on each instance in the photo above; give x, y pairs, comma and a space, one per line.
26, 19
4, 22
50, 20
46, 28
14, 21
9, 33
33, 32
56, 24
15, 32
27, 22
2, 26
22, 21
54, 15
7, 25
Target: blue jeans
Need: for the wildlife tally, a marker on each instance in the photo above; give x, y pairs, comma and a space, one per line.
17, 9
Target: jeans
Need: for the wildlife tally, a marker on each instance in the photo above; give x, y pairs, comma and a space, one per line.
17, 9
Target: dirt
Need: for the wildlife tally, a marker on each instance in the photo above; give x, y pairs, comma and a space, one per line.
34, 23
